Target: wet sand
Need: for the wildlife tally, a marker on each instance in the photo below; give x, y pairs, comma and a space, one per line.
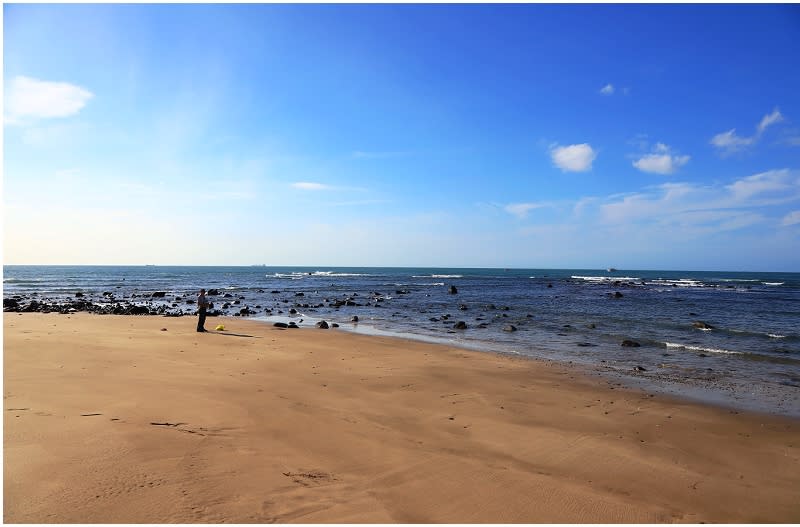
141, 419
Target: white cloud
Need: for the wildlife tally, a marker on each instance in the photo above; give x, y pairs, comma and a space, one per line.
728, 142
305, 185
521, 210
774, 117
776, 182
29, 98
573, 158
608, 89
660, 164
705, 209
793, 218
661, 161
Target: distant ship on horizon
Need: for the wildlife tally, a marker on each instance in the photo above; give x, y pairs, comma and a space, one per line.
611, 270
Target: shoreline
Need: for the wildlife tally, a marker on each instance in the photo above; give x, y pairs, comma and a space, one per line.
141, 419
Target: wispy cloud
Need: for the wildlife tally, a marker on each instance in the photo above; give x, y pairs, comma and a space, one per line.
688, 205
793, 218
573, 158
660, 160
767, 120
729, 142
608, 89
33, 99
521, 210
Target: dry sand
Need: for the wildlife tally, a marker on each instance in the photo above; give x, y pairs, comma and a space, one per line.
112, 419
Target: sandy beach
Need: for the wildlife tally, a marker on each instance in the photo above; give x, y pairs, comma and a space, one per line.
141, 419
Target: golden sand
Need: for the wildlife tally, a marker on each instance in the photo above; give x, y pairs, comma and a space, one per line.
142, 419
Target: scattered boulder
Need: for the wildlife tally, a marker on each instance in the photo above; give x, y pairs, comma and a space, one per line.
354, 319
322, 324
159, 294
699, 324
617, 294
281, 325
510, 328
630, 344
299, 294
453, 290
78, 294
293, 311
460, 325
463, 307
212, 292
639, 368
334, 325
10, 304
292, 325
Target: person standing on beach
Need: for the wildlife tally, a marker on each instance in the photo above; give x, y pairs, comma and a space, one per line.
202, 305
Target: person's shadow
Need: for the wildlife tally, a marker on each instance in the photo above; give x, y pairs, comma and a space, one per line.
226, 334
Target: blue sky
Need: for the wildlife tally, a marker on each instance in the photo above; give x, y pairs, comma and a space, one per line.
583, 136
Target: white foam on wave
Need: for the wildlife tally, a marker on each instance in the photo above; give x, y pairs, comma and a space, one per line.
681, 282
292, 276
700, 348
604, 278
332, 273
773, 283
776, 336
439, 276
732, 280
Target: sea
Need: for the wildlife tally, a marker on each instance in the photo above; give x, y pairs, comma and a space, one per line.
724, 338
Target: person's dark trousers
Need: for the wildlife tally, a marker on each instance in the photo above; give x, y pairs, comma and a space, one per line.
201, 321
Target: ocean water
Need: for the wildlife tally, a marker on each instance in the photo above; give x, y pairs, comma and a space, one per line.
750, 358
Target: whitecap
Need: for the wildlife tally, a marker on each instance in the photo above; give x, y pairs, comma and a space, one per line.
605, 278
775, 336
700, 348
773, 283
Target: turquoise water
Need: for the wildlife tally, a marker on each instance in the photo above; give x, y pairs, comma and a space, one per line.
750, 358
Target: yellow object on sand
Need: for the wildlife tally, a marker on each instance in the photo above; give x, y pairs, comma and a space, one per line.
220, 328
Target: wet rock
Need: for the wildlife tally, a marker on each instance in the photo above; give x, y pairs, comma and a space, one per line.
9, 304
549, 285
453, 290
630, 344
401, 292
245, 311
137, 310
281, 325
354, 319
78, 295
639, 368
699, 324
617, 294
159, 294
212, 292
299, 294
586, 345
227, 295
108, 293
293, 311
322, 324
237, 301
292, 325
463, 307
33, 306
460, 325
509, 328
